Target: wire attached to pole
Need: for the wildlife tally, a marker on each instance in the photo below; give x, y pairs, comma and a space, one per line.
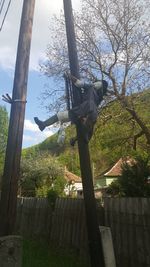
9, 100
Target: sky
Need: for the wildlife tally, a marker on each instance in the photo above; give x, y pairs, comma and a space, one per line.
44, 9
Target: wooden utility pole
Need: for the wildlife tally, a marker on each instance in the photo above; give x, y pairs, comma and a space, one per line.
94, 237
15, 133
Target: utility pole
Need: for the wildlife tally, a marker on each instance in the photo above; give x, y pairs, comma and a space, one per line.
94, 236
15, 133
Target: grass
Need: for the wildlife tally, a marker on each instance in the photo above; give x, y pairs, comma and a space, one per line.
36, 254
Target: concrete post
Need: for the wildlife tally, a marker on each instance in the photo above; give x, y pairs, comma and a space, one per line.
107, 244
11, 251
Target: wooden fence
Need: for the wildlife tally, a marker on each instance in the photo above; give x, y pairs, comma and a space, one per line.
68, 225
65, 226
128, 218
34, 218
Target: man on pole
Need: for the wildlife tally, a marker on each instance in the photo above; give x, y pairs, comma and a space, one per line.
85, 113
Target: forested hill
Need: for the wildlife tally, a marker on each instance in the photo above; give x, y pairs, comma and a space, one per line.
114, 137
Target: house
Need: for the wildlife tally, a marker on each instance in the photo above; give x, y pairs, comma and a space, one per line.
102, 181
112, 174
74, 184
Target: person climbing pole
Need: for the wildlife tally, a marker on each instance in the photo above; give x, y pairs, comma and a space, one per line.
85, 113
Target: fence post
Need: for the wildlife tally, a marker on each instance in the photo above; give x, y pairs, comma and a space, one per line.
107, 244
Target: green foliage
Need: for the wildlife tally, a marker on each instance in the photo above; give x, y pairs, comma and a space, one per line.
39, 173
134, 181
51, 145
115, 130
52, 195
57, 187
31, 152
70, 159
4, 128
113, 138
59, 184
42, 191
3, 135
114, 189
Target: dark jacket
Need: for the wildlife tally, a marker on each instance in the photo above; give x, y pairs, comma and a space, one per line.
91, 98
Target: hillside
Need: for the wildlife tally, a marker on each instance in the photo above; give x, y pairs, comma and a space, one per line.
112, 139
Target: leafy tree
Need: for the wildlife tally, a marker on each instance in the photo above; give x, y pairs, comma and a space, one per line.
3, 135
56, 191
113, 39
113, 138
115, 189
114, 134
39, 174
134, 181
52, 195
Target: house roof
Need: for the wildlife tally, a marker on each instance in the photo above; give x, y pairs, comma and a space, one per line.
116, 170
69, 176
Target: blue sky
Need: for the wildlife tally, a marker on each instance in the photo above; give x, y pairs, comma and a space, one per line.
36, 81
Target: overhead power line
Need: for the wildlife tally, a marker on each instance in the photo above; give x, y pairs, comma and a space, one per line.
2, 5
4, 8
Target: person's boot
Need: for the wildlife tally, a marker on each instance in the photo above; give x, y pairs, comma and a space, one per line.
39, 123
43, 124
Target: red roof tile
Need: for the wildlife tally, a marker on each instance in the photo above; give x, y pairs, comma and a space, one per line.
69, 176
116, 170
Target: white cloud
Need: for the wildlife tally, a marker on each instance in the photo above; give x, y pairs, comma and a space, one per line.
39, 137
28, 138
32, 134
30, 126
31, 139
7, 57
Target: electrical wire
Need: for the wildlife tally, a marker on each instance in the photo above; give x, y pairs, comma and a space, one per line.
5, 13
2, 5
